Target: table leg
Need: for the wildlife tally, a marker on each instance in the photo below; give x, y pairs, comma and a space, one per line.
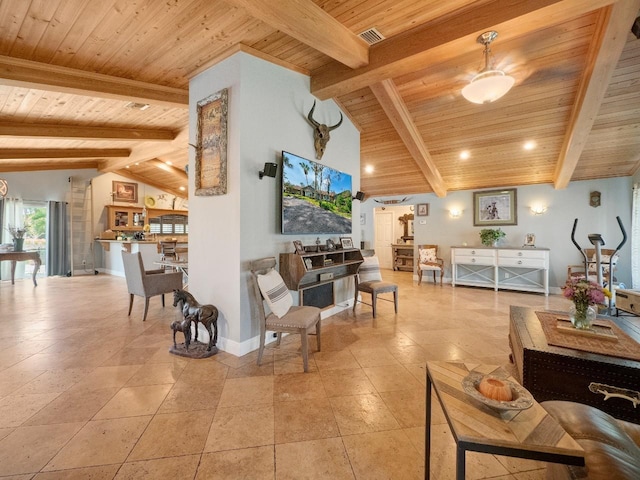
460, 464
13, 271
427, 430
37, 262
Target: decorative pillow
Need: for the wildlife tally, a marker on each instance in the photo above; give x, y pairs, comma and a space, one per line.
275, 292
370, 270
427, 255
604, 262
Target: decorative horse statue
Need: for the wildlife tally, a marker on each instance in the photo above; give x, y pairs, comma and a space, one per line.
185, 327
193, 311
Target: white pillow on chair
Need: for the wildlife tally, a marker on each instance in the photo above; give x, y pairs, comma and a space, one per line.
427, 255
275, 292
370, 270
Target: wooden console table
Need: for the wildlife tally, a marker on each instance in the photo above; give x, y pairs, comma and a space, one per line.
14, 257
530, 433
558, 373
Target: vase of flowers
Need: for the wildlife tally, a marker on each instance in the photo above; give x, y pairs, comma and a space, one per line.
17, 233
489, 236
585, 295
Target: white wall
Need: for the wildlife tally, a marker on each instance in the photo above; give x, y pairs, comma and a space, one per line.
552, 229
267, 109
49, 185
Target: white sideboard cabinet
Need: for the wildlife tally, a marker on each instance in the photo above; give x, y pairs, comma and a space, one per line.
524, 269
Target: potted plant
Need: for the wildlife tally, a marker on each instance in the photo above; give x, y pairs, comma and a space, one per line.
489, 236
17, 233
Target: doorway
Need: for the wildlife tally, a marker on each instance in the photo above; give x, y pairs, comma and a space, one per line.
389, 230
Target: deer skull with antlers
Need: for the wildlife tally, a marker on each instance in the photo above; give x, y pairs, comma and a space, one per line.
321, 132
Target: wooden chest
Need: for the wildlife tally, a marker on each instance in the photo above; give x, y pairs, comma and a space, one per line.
557, 373
628, 301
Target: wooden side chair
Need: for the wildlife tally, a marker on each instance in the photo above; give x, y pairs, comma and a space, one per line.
147, 283
168, 250
269, 287
369, 280
428, 261
608, 264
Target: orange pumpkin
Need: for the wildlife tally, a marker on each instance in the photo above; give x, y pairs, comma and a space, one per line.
495, 389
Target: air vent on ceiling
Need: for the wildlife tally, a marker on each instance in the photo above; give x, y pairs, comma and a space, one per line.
371, 36
137, 106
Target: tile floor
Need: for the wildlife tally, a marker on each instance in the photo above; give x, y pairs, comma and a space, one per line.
87, 392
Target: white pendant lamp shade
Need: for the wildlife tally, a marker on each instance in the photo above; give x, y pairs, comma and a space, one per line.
487, 87
490, 84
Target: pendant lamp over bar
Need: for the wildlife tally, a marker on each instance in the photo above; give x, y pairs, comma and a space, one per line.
490, 84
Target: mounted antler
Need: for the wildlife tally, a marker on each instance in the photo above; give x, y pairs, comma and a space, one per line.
321, 132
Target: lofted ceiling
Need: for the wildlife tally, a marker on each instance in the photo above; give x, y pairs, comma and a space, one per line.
74, 74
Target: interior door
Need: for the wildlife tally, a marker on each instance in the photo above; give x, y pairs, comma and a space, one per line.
384, 238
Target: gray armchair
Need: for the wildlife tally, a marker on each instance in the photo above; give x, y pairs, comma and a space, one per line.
148, 283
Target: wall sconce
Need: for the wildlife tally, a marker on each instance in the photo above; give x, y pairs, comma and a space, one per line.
270, 170
538, 209
359, 196
455, 213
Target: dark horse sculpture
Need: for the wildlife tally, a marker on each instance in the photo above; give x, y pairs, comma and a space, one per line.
185, 327
207, 315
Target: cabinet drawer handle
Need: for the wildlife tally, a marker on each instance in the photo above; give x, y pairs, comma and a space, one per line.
519, 254
473, 260
615, 392
519, 262
473, 252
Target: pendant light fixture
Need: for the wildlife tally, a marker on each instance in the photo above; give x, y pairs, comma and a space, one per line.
490, 84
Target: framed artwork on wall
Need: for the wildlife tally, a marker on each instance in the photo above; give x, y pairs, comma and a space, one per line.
422, 209
125, 191
495, 207
211, 145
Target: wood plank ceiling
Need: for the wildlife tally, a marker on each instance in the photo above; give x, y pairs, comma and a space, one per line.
71, 69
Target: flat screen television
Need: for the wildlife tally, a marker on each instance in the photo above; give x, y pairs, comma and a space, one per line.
316, 199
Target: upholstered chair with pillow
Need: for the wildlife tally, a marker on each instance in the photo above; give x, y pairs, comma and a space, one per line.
608, 261
428, 261
369, 280
269, 288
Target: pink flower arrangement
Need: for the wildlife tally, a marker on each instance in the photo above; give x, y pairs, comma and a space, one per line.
584, 292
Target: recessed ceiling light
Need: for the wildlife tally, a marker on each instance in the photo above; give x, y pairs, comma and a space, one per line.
369, 169
168, 162
137, 163
464, 155
182, 188
127, 166
137, 106
530, 145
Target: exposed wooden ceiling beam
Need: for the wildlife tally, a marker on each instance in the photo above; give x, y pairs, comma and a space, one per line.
31, 165
28, 74
308, 23
177, 173
609, 41
395, 108
40, 130
138, 178
443, 39
147, 152
15, 153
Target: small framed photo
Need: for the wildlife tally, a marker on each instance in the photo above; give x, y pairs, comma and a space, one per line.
346, 242
331, 246
299, 248
495, 207
422, 209
308, 263
125, 191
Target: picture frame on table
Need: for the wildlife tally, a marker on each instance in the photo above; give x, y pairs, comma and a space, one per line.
346, 242
125, 191
331, 246
495, 207
422, 209
211, 144
298, 246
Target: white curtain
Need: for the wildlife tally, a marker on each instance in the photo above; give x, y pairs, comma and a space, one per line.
635, 238
12, 214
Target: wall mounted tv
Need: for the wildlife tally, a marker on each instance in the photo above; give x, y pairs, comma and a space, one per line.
315, 198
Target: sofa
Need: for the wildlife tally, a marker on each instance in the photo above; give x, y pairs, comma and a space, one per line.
612, 447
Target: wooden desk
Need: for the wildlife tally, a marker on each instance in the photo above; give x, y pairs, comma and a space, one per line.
530, 433
14, 257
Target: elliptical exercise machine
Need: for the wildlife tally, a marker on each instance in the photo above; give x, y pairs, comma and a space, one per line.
598, 242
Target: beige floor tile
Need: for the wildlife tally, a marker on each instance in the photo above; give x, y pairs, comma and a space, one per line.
131, 356
247, 391
173, 468
304, 420
134, 401
241, 427
391, 377
313, 460
111, 376
298, 386
28, 449
186, 398
55, 381
16, 409
157, 374
245, 464
407, 406
188, 434
362, 413
204, 372
335, 360
106, 472
339, 383
100, 442
373, 357
384, 455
